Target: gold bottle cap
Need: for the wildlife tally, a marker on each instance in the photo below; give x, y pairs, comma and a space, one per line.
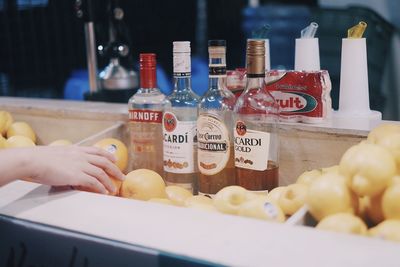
255, 58
357, 31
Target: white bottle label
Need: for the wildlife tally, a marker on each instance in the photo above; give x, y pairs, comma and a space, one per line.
213, 147
251, 148
179, 141
181, 64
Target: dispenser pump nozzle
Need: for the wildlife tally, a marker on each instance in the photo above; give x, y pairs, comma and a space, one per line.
310, 30
357, 31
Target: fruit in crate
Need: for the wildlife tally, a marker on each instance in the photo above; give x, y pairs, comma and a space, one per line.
3, 142
391, 202
143, 184
293, 198
229, 199
344, 223
19, 141
388, 230
381, 131
392, 143
373, 208
260, 208
200, 202
60, 142
328, 195
177, 194
117, 148
21, 128
368, 168
276, 193
5, 122
308, 177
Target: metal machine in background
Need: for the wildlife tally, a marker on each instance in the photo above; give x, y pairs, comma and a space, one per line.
115, 83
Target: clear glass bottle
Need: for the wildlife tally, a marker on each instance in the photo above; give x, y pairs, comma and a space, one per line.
145, 119
255, 131
214, 126
180, 124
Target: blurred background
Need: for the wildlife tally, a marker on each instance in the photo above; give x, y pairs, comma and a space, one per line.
43, 50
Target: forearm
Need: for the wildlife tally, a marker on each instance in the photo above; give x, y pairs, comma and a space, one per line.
14, 164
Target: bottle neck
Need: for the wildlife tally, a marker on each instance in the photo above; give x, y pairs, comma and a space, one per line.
148, 78
255, 82
182, 84
216, 83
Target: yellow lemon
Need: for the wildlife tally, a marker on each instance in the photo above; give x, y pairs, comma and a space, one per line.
3, 142
382, 130
392, 143
229, 199
177, 194
343, 223
293, 198
5, 121
391, 202
61, 142
334, 168
261, 209
21, 128
19, 141
276, 193
328, 195
198, 200
388, 230
143, 184
307, 177
117, 148
368, 168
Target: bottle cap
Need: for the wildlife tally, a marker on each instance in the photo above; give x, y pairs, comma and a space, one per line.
148, 78
181, 47
216, 43
255, 58
147, 60
256, 47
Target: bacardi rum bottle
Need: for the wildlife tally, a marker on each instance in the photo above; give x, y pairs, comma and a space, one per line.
214, 126
255, 129
180, 124
145, 119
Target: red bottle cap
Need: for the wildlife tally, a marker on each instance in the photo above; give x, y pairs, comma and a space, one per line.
148, 78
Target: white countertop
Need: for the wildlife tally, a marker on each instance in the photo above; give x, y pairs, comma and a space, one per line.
212, 237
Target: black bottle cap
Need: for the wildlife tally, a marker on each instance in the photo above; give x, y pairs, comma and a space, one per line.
216, 43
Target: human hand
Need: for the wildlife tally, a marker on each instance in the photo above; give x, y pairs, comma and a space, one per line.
86, 168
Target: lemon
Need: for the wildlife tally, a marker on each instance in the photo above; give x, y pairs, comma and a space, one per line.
21, 128
19, 141
117, 148
368, 168
391, 202
143, 184
383, 130
293, 198
388, 230
177, 194
5, 121
328, 195
343, 223
276, 193
60, 142
261, 209
229, 199
392, 143
3, 142
307, 177
334, 168
198, 200
373, 208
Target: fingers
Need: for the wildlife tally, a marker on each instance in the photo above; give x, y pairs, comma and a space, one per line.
101, 176
98, 152
90, 184
107, 166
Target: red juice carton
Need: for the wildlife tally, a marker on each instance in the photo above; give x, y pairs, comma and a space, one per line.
303, 96
236, 81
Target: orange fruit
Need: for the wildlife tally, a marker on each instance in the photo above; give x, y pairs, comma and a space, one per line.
117, 148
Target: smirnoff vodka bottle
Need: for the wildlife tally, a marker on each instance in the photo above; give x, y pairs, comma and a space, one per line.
145, 119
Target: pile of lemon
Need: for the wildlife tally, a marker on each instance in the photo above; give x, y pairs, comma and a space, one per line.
361, 195
19, 133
